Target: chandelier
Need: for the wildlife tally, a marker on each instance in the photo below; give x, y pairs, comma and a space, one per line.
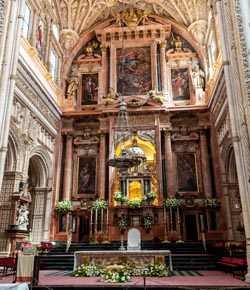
123, 133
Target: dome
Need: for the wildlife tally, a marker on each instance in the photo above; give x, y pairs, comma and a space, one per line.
135, 150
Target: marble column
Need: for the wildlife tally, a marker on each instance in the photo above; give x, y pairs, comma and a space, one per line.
169, 164
103, 89
67, 167
102, 166
158, 159
163, 66
205, 167
154, 65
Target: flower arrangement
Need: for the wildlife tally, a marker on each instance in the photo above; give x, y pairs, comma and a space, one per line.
148, 222
150, 196
64, 205
134, 203
123, 223
89, 270
112, 276
121, 273
210, 202
99, 204
171, 202
118, 196
157, 270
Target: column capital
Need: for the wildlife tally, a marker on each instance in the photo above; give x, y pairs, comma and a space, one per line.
67, 134
104, 47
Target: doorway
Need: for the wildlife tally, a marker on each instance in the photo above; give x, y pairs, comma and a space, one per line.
191, 227
84, 228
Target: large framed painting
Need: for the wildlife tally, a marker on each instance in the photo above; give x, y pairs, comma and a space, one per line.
180, 84
89, 89
186, 170
134, 71
86, 175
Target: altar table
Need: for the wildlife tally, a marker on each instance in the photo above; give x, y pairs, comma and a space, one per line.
106, 258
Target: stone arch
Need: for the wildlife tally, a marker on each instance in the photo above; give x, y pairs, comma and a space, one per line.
40, 178
225, 152
40, 165
15, 150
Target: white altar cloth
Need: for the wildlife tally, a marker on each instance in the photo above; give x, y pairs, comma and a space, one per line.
105, 258
14, 286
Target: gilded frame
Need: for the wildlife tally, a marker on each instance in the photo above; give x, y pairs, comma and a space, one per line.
187, 172
89, 92
86, 176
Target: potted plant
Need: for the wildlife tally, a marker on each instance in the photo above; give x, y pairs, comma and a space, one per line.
171, 202
99, 204
64, 206
210, 202
148, 222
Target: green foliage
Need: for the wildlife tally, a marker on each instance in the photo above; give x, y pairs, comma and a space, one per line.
123, 223
89, 270
210, 202
150, 196
99, 204
134, 203
112, 276
123, 272
148, 222
64, 206
171, 202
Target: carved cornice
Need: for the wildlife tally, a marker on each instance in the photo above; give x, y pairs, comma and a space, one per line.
36, 100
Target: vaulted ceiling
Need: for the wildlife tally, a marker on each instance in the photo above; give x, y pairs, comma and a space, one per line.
80, 15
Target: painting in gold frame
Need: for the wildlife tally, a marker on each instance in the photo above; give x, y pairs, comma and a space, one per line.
134, 70
186, 172
86, 175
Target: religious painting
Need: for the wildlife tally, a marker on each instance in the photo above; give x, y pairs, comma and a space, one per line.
86, 175
134, 71
186, 170
180, 84
89, 89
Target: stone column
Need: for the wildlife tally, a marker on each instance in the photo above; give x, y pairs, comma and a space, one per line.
34, 28
169, 164
8, 74
67, 167
237, 111
206, 176
102, 168
163, 66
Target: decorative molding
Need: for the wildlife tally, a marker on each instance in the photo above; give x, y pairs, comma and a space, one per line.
243, 47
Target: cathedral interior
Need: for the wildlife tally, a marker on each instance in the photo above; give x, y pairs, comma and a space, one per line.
132, 114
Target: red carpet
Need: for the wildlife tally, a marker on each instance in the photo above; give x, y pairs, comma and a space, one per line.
209, 278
